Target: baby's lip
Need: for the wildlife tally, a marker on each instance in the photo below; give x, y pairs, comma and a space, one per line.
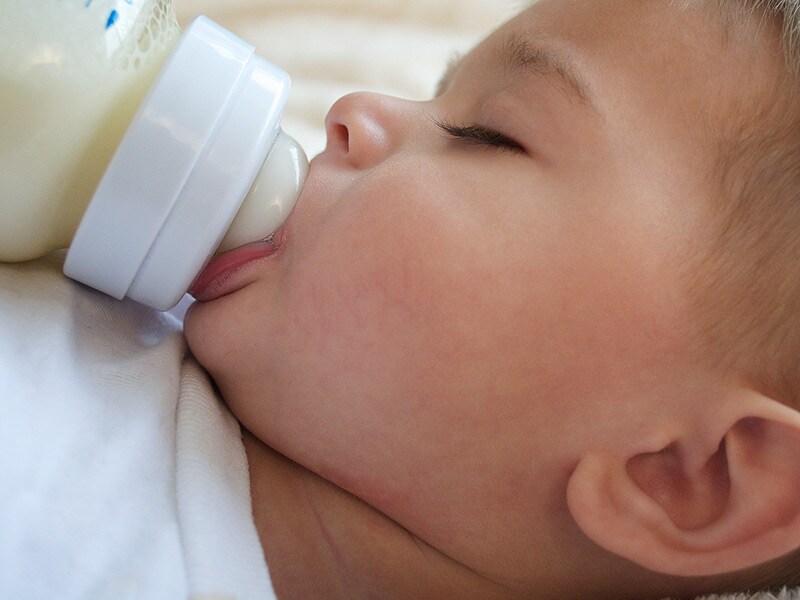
209, 284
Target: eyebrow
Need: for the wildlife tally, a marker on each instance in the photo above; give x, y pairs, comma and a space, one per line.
520, 53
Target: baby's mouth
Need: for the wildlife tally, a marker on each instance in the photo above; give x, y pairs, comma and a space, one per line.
209, 284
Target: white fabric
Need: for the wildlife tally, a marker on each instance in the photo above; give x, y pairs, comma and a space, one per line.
121, 473
333, 47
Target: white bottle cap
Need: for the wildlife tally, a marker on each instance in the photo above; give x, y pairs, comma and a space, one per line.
183, 169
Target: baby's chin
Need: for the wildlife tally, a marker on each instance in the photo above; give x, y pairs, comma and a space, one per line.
203, 335
210, 342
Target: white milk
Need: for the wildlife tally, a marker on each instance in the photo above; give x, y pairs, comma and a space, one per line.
72, 75
141, 149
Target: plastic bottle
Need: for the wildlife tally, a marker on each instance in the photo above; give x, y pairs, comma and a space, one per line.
135, 145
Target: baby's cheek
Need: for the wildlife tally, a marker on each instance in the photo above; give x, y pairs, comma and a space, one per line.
414, 271
378, 293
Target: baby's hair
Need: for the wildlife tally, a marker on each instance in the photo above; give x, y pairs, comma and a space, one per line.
746, 282
745, 285
788, 14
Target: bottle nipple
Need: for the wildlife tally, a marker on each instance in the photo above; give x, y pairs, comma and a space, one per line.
272, 195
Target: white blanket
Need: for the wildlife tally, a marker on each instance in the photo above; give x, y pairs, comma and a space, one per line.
121, 473
332, 47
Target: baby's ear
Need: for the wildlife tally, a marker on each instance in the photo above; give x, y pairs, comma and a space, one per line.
722, 496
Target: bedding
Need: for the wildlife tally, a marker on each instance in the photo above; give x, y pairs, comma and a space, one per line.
123, 474
330, 48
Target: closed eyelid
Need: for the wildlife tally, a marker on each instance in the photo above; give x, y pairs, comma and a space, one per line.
480, 135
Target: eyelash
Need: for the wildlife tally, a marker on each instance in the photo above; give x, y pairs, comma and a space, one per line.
478, 134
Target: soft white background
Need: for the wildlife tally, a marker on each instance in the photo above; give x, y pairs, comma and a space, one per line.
332, 47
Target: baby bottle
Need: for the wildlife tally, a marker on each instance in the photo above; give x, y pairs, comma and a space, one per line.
142, 150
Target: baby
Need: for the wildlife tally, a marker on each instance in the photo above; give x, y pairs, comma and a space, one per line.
534, 338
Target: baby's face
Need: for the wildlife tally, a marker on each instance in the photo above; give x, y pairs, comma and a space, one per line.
475, 288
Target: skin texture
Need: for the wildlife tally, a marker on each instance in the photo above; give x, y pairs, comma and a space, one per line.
467, 368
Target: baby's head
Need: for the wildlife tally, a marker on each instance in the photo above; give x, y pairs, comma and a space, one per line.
547, 322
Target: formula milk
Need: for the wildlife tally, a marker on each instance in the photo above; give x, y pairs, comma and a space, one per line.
73, 75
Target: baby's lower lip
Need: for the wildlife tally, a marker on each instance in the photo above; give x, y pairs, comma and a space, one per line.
208, 285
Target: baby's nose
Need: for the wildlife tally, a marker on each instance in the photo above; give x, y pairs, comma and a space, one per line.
364, 128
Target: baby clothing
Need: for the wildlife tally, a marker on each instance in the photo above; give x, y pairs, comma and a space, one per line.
122, 474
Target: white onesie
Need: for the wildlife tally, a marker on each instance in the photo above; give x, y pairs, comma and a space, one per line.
122, 475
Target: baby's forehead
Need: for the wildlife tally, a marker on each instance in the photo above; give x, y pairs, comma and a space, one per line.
741, 25
692, 55
669, 79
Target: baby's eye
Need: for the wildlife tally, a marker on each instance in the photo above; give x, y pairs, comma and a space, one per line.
478, 134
